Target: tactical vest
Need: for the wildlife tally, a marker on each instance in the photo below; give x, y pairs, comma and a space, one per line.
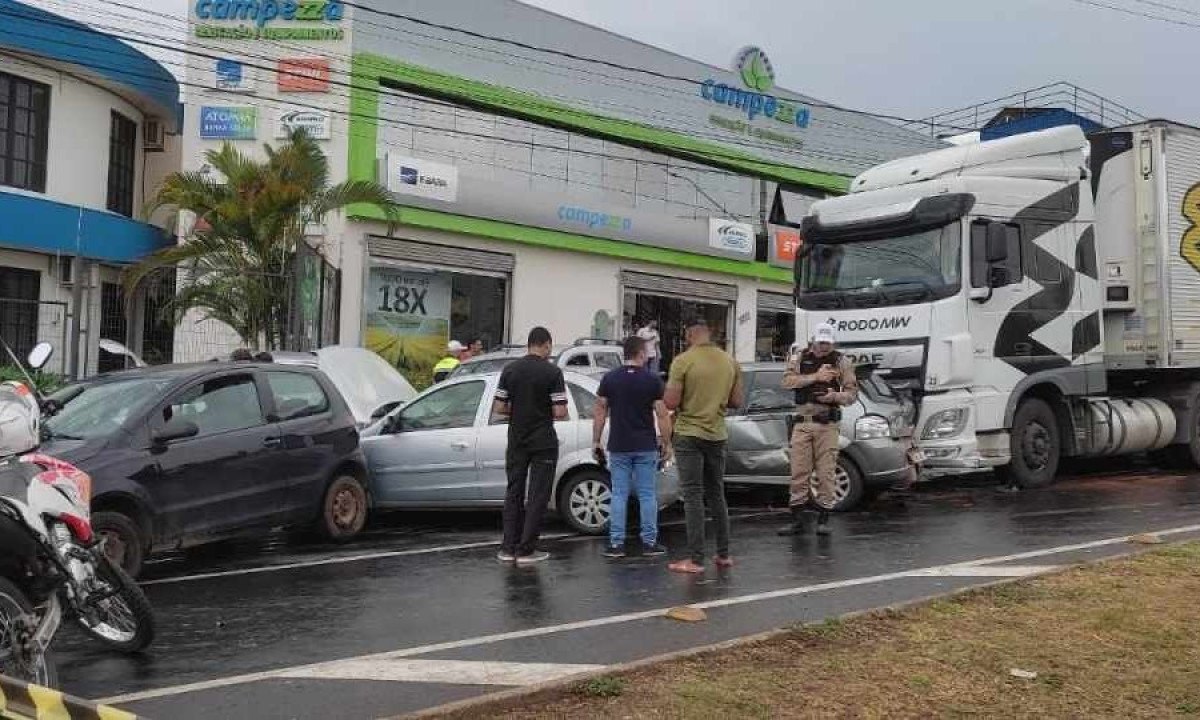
809, 364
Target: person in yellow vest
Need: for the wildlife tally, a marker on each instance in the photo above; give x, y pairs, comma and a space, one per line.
453, 359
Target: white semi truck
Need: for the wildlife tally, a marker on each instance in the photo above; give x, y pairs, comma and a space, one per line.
1039, 301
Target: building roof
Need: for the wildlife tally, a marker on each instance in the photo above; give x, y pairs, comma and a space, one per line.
97, 56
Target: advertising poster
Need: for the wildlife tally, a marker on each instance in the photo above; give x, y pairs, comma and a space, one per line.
316, 122
407, 319
228, 123
303, 75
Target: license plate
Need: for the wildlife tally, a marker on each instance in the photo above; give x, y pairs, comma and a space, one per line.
916, 457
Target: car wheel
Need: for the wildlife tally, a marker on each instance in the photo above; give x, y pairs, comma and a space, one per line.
123, 541
848, 487
344, 509
585, 502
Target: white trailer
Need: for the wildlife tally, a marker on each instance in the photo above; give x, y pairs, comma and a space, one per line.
1038, 302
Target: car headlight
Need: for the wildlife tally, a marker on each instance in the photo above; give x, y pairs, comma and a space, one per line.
945, 424
870, 427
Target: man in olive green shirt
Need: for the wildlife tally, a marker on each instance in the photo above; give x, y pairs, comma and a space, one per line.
703, 381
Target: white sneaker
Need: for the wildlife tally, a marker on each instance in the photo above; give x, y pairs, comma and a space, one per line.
536, 556
505, 557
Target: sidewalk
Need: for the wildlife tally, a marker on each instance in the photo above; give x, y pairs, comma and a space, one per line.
1115, 639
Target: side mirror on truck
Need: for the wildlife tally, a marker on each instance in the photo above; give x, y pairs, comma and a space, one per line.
997, 243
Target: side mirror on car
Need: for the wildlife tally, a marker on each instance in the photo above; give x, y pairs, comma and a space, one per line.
40, 355
174, 429
393, 424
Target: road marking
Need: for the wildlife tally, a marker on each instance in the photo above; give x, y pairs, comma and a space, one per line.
628, 617
338, 560
986, 571
383, 554
452, 672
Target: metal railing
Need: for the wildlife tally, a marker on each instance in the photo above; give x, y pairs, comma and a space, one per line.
1064, 95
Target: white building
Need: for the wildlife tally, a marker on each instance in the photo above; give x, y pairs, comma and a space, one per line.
84, 120
539, 188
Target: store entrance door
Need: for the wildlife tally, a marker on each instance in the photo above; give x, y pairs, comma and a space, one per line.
671, 313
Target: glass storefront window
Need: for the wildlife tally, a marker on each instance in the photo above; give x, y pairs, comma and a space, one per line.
410, 314
775, 334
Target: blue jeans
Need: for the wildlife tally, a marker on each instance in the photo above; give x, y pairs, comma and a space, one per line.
634, 471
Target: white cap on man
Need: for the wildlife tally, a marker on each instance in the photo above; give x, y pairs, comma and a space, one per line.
824, 334
455, 346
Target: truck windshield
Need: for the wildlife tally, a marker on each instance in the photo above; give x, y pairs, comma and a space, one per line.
878, 272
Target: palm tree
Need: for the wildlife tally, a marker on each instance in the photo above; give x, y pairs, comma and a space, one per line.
237, 263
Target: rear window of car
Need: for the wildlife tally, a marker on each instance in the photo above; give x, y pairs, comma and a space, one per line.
767, 392
296, 395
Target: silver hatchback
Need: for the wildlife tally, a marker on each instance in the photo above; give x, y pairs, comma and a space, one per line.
445, 449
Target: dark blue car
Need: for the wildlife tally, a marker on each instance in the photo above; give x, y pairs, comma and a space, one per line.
181, 455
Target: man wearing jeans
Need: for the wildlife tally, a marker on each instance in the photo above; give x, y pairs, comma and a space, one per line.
633, 397
703, 382
532, 394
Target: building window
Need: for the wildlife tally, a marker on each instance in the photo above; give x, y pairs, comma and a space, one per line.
24, 132
20, 291
122, 143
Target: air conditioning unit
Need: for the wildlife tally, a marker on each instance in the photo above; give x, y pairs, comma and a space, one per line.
154, 136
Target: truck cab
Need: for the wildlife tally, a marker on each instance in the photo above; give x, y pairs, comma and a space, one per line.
969, 276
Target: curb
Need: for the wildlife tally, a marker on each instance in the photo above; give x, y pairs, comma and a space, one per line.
22, 701
495, 703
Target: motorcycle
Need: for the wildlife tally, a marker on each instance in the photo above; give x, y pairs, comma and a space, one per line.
52, 565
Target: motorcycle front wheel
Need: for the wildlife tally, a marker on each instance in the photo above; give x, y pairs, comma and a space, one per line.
36, 668
122, 618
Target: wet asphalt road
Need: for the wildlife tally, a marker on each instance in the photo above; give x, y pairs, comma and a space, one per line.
277, 629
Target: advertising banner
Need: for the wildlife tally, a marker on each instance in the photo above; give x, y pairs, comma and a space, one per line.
422, 178
731, 236
316, 122
233, 76
303, 75
407, 318
783, 244
228, 123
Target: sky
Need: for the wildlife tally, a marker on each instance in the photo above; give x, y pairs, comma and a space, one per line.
912, 58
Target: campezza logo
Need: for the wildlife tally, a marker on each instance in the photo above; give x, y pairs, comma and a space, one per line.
257, 14
755, 68
886, 323
758, 76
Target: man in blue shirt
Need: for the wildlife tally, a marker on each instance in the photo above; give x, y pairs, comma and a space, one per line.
633, 397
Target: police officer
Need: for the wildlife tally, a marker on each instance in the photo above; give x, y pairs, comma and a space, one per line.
823, 380
453, 359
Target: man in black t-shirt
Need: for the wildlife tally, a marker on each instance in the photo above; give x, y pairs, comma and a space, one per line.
532, 395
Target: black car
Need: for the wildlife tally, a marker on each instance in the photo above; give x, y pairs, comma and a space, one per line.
181, 455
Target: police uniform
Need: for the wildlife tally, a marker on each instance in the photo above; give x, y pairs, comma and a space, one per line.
814, 441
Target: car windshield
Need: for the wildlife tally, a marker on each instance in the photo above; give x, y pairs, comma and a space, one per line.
100, 410
878, 272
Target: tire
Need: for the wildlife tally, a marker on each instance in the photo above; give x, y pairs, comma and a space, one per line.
1036, 446
124, 622
41, 671
343, 509
585, 502
850, 488
123, 541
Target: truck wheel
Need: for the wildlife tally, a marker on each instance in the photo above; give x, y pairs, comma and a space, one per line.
1036, 446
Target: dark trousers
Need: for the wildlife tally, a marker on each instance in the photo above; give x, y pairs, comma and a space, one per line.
523, 515
701, 466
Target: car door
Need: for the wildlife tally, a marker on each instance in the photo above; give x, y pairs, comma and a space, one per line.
428, 454
758, 441
307, 439
493, 445
221, 479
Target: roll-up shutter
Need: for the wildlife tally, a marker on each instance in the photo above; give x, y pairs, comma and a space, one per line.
775, 302
445, 255
663, 285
